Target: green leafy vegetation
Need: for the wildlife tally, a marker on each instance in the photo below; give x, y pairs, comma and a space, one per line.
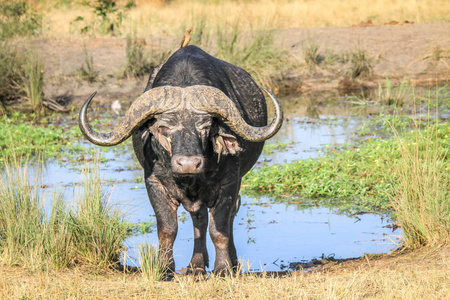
18, 19
360, 178
108, 16
21, 137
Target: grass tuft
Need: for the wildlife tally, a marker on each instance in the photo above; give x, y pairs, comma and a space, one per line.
33, 81
153, 267
311, 54
11, 62
98, 229
87, 71
395, 96
359, 63
422, 197
257, 55
39, 234
137, 63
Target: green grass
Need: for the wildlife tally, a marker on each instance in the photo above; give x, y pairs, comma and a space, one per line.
361, 178
42, 233
153, 267
33, 81
97, 226
17, 18
87, 71
21, 137
421, 198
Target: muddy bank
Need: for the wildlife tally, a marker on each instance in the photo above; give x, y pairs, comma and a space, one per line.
418, 51
421, 52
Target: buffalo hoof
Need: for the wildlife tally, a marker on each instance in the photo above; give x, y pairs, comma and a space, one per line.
195, 271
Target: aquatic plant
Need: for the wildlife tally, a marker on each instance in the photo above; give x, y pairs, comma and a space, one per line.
362, 177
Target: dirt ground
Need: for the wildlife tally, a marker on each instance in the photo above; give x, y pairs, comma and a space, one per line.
421, 274
421, 52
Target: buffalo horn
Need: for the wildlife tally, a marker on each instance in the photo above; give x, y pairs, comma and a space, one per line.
154, 101
215, 102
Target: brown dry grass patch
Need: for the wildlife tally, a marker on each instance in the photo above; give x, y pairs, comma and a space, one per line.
421, 274
154, 18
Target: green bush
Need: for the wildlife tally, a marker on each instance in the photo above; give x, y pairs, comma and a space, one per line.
18, 19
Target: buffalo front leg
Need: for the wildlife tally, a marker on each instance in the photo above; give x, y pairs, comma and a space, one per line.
200, 258
166, 219
221, 231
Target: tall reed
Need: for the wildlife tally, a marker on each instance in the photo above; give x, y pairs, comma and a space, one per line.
422, 198
33, 81
40, 233
97, 226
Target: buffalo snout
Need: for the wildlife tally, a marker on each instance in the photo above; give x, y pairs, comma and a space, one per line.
187, 164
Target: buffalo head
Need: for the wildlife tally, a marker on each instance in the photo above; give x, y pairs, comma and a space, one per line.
183, 122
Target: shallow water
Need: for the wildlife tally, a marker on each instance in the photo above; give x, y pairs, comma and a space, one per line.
268, 235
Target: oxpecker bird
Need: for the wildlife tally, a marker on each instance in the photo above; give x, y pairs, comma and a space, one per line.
186, 38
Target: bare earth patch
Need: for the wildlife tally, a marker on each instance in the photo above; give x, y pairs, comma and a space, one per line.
395, 50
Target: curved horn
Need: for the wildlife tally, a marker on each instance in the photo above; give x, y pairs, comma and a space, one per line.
154, 101
214, 101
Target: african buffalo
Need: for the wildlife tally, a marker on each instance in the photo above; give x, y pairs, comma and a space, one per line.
197, 129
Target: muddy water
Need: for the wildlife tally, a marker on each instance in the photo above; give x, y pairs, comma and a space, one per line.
268, 236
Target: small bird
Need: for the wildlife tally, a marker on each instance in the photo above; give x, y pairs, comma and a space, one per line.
186, 38
116, 107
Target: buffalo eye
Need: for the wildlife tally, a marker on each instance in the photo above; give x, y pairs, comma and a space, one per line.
163, 129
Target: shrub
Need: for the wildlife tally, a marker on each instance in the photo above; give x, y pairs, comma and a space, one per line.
17, 19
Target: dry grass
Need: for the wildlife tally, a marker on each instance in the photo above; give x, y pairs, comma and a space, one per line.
423, 274
154, 18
